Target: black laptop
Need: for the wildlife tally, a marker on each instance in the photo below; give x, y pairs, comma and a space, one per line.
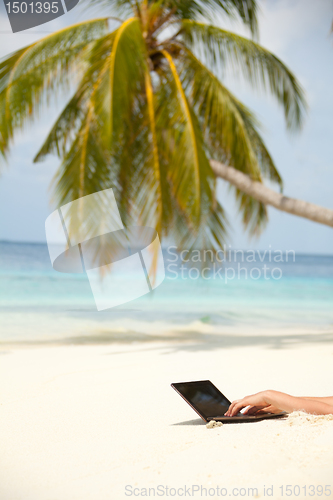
211, 404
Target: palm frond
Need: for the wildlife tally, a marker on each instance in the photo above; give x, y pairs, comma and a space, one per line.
69, 122
64, 130
231, 133
190, 130
3, 132
254, 213
211, 234
246, 10
121, 80
157, 188
114, 77
124, 8
222, 49
85, 168
221, 116
182, 152
32, 74
266, 163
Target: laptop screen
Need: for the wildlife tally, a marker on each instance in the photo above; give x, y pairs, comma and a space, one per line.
204, 396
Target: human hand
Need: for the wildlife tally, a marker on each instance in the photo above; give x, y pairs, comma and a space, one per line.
255, 403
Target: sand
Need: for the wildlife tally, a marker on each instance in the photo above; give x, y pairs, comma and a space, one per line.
100, 422
212, 424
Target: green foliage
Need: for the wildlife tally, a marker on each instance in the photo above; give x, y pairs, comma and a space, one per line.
36, 72
150, 110
222, 49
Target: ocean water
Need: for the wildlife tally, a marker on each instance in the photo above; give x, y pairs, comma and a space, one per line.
266, 289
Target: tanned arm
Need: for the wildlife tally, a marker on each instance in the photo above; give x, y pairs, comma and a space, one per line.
283, 402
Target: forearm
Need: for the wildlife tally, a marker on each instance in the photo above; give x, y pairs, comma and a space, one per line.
328, 399
291, 403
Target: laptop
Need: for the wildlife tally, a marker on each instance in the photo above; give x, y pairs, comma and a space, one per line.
211, 404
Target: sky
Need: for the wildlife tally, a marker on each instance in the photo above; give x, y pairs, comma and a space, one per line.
298, 32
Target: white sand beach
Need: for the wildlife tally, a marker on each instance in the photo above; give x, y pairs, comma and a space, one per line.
100, 422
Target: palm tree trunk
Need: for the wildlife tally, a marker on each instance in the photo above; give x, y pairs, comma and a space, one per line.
269, 197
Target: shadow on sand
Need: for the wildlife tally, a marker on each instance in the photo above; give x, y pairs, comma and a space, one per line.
185, 341
197, 421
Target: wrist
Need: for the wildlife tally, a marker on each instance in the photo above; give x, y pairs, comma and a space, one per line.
269, 396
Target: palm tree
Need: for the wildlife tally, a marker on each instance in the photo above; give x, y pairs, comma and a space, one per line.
150, 116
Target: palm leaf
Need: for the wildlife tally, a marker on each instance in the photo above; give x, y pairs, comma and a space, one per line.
221, 48
77, 174
69, 122
220, 114
190, 130
30, 76
211, 233
193, 9
156, 162
187, 9
230, 129
254, 213
118, 86
189, 172
64, 130
231, 133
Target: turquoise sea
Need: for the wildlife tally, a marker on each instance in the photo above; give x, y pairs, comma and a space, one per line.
38, 303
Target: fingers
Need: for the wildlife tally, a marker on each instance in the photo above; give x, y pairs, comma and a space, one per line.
249, 410
228, 412
238, 407
235, 407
